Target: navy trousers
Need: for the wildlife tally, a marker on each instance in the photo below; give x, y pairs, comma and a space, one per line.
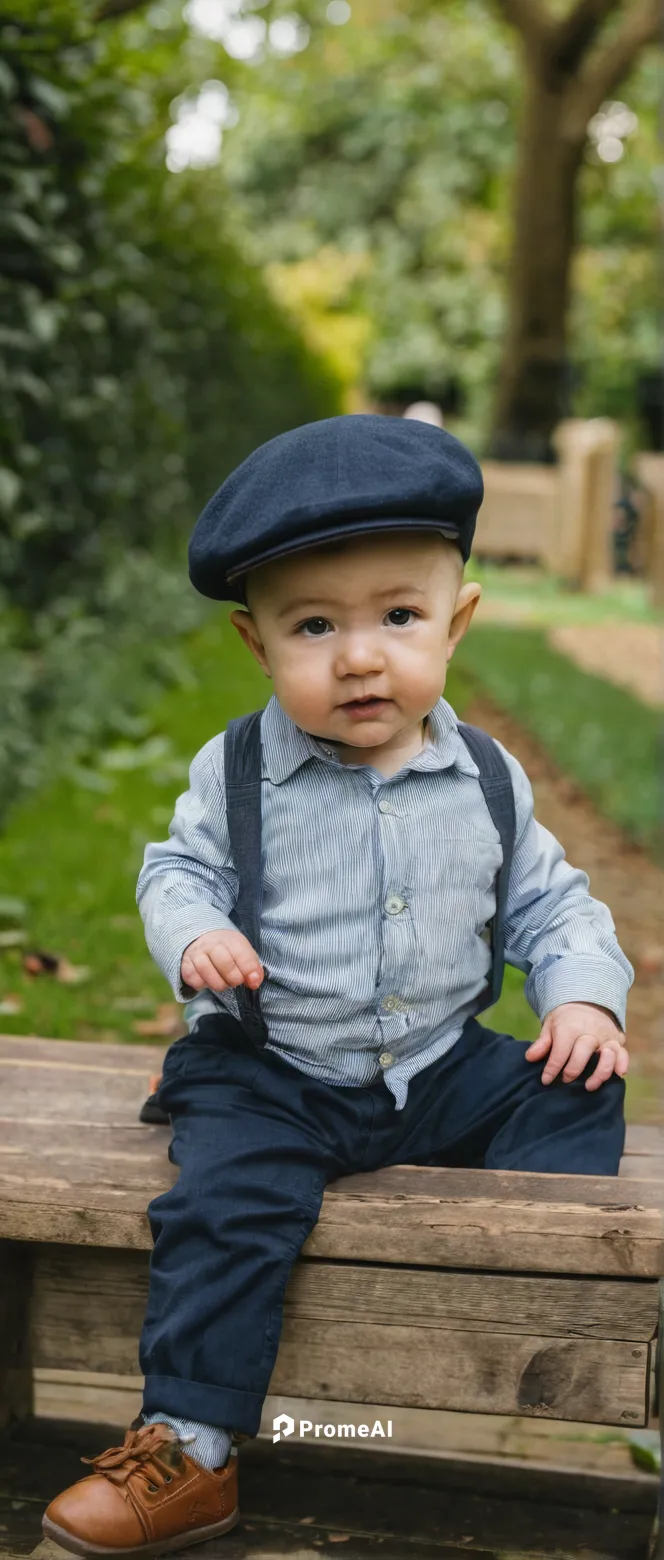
257, 1140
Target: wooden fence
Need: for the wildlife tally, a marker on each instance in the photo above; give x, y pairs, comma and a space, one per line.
560, 516
650, 472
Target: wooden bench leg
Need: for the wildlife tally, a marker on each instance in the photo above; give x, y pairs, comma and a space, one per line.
16, 1392
657, 1543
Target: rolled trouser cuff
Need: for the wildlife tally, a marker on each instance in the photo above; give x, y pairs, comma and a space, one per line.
207, 1405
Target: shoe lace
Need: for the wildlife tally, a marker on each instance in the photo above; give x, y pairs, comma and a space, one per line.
138, 1457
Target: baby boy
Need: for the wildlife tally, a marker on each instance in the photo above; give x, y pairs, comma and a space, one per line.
341, 884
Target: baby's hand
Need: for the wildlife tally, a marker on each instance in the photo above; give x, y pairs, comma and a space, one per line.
571, 1034
220, 959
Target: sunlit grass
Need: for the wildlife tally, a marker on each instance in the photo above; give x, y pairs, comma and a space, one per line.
539, 597
600, 735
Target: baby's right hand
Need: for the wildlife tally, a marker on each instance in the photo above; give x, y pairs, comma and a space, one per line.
220, 959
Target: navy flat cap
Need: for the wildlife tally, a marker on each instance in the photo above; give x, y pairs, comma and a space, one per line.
324, 481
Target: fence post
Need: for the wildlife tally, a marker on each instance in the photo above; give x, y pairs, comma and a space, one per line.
649, 467
588, 453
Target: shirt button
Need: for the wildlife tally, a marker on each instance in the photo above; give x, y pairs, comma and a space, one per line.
385, 1058
389, 1004
393, 904
384, 806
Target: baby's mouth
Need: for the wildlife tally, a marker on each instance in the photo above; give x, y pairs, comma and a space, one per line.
365, 704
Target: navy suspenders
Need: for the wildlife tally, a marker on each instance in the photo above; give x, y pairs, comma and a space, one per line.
242, 772
498, 793
242, 767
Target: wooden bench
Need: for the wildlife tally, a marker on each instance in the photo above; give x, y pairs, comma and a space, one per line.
484, 1291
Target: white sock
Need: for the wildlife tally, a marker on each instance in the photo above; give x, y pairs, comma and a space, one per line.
207, 1444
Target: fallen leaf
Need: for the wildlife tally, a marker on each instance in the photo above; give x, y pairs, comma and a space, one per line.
338, 1538
305, 1520
650, 960
12, 939
72, 974
37, 962
167, 1022
11, 1005
11, 909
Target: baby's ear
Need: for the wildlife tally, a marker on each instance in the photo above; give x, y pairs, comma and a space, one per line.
248, 632
464, 608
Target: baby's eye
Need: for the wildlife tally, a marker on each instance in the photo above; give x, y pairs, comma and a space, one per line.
307, 624
404, 611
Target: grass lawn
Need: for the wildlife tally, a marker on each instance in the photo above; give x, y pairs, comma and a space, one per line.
538, 597
71, 854
597, 733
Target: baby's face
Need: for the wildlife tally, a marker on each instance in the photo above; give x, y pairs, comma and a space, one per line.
375, 616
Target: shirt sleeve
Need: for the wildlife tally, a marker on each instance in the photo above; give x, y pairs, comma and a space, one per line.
562, 938
188, 884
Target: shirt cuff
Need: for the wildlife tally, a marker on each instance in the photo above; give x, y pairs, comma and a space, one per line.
578, 978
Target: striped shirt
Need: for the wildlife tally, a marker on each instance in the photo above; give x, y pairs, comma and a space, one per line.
377, 893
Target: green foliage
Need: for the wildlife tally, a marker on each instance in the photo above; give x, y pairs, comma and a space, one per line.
394, 141
73, 852
596, 733
140, 359
394, 137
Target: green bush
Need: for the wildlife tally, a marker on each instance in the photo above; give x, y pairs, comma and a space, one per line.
140, 359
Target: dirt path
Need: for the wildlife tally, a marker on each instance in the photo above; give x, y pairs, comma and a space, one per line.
629, 654
622, 876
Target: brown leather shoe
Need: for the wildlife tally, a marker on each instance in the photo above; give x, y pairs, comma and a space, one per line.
144, 1498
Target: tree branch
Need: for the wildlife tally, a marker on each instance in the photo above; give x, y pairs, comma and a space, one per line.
603, 72
572, 36
528, 18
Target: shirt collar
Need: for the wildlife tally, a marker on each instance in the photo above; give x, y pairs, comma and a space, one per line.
285, 746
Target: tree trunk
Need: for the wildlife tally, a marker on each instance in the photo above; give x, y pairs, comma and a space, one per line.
533, 382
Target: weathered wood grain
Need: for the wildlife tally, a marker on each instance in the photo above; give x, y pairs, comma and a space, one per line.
89, 1304
89, 1308
15, 1333
650, 1167
116, 1058
619, 1239
598, 1382
440, 1230
76, 1167
503, 1358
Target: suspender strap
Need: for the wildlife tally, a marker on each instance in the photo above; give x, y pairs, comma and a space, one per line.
496, 783
242, 766
242, 770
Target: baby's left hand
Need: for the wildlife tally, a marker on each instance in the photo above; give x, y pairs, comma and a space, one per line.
571, 1033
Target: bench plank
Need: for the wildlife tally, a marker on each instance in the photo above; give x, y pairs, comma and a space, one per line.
76, 1167
82, 1295
623, 1240
598, 1382
494, 1343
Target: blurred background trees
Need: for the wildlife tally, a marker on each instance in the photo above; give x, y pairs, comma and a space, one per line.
141, 357
225, 217
497, 200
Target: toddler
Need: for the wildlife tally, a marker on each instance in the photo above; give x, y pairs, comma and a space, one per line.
342, 882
